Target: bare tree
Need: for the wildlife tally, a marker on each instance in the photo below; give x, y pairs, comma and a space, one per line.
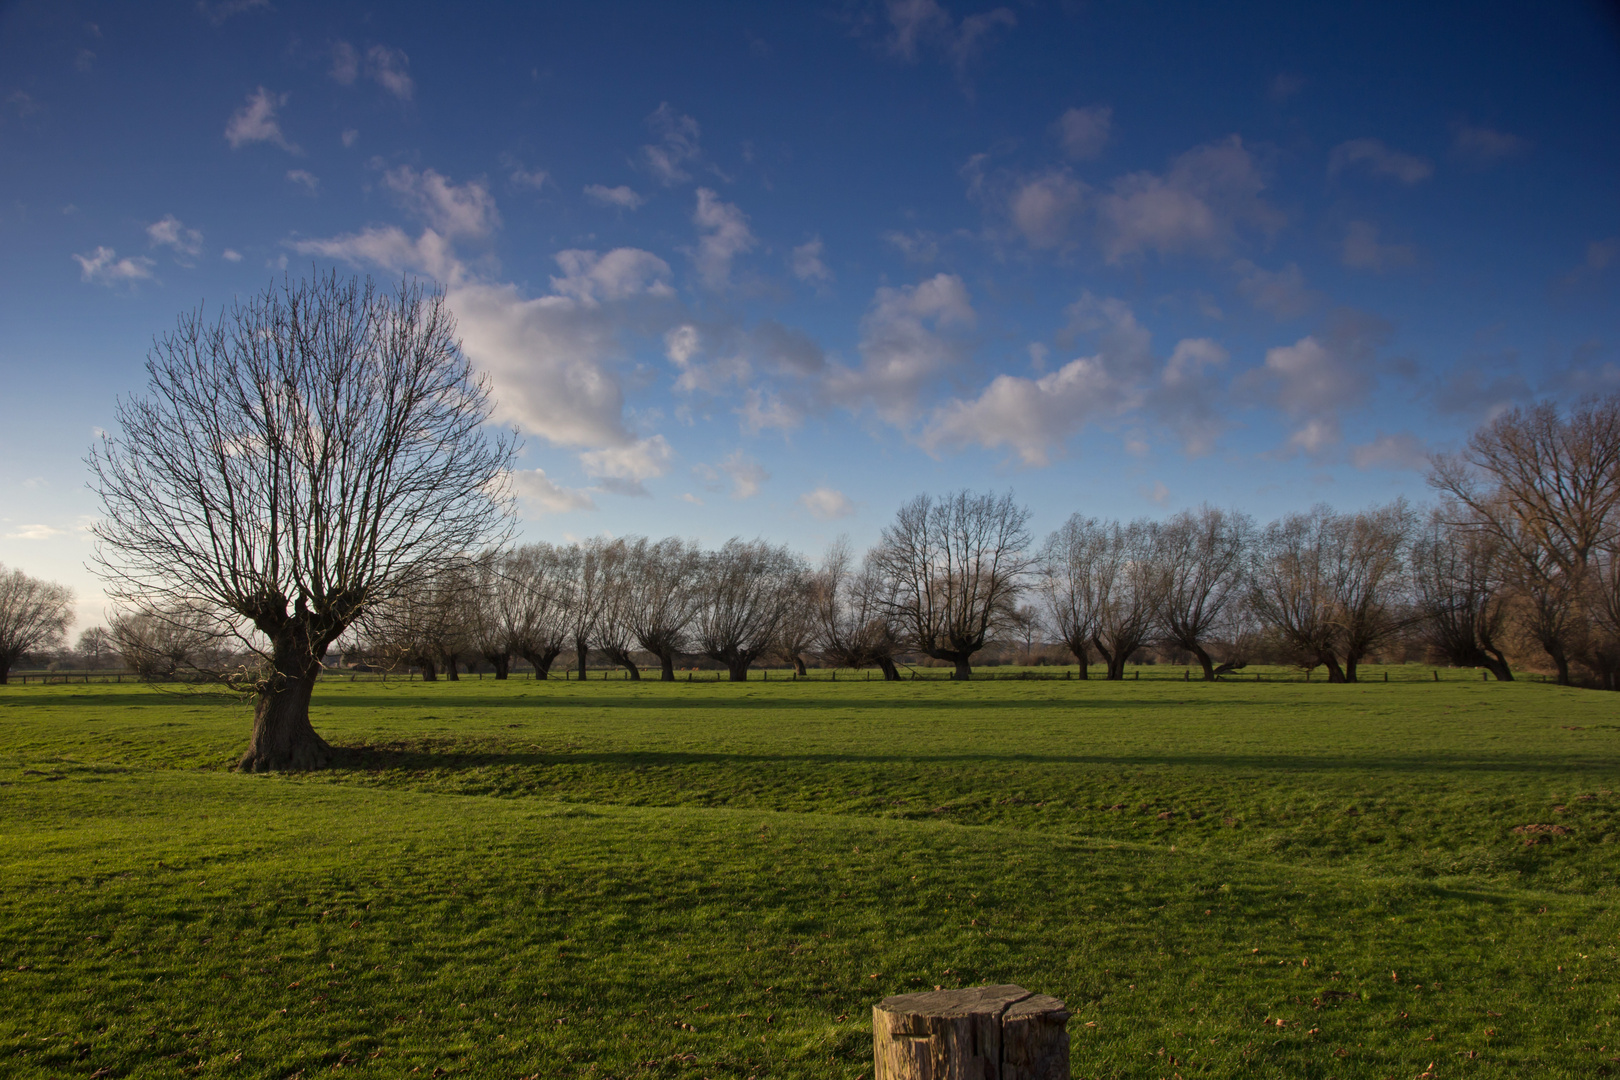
616, 582
493, 602
1369, 583
1547, 487
34, 615
534, 590
665, 585
1127, 593
748, 589
582, 596
1291, 589
1068, 584
159, 644
952, 569
298, 461
95, 646
1201, 559
854, 625
797, 634
1460, 589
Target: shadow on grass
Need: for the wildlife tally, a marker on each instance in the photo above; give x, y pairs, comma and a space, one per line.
412, 756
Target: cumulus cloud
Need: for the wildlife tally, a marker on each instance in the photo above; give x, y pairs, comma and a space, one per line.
724, 236
747, 475
171, 232
1319, 376
256, 122
539, 491
905, 345
1197, 206
1363, 251
103, 267
1082, 133
683, 346
1379, 160
1280, 293
390, 69
762, 410
676, 148
622, 196
622, 469
305, 179
449, 209
1401, 450
1486, 146
231, 255
617, 275
918, 24
389, 247
1187, 399
807, 264
1044, 207
533, 179
828, 504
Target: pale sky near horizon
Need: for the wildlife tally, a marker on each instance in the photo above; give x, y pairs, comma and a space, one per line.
741, 269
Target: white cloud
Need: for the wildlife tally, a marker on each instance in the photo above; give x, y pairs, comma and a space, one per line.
622, 196
345, 63
534, 179
536, 489
1187, 399
622, 469
725, 235
220, 10
172, 233
35, 532
1362, 251
903, 348
827, 503
231, 255
1379, 160
451, 210
1280, 293
1402, 450
1082, 133
915, 24
762, 410
390, 248
687, 496
807, 264
305, 179
1043, 207
620, 274
677, 145
1319, 376
1485, 146
747, 475
103, 267
920, 248
1195, 207
256, 122
390, 69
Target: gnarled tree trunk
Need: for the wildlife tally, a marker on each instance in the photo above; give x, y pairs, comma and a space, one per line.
890, 672
283, 739
666, 667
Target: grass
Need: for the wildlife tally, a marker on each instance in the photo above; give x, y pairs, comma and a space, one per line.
714, 880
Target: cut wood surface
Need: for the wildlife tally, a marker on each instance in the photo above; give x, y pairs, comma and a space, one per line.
976, 1033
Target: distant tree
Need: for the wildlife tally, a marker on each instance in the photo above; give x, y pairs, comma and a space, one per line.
666, 578
1026, 626
1372, 604
1128, 590
1201, 558
1546, 486
95, 647
617, 580
952, 570
159, 643
302, 459
34, 615
854, 622
1291, 588
534, 593
1460, 588
1068, 584
582, 596
748, 587
797, 634
492, 611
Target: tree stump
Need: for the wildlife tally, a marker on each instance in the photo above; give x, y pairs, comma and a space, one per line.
977, 1033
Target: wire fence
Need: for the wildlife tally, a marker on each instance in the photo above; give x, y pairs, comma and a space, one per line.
1376, 673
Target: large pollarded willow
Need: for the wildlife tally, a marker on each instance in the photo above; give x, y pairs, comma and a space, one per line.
298, 461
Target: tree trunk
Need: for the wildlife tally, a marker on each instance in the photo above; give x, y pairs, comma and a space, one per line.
1108, 660
1497, 664
1335, 672
977, 1033
666, 667
890, 672
501, 662
1560, 659
635, 672
581, 648
5, 673
430, 673
450, 669
1204, 660
739, 671
1350, 662
798, 666
283, 740
964, 671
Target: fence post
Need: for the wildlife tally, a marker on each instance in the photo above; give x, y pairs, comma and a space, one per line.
1436, 676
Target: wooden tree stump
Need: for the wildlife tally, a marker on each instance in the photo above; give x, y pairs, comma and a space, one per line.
978, 1033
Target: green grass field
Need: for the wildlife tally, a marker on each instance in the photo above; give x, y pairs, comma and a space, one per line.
714, 880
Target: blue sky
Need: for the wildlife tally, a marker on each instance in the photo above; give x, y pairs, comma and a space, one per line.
773, 269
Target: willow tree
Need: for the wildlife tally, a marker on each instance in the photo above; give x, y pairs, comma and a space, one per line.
309, 455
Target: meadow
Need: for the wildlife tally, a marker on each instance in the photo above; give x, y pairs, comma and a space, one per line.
617, 879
